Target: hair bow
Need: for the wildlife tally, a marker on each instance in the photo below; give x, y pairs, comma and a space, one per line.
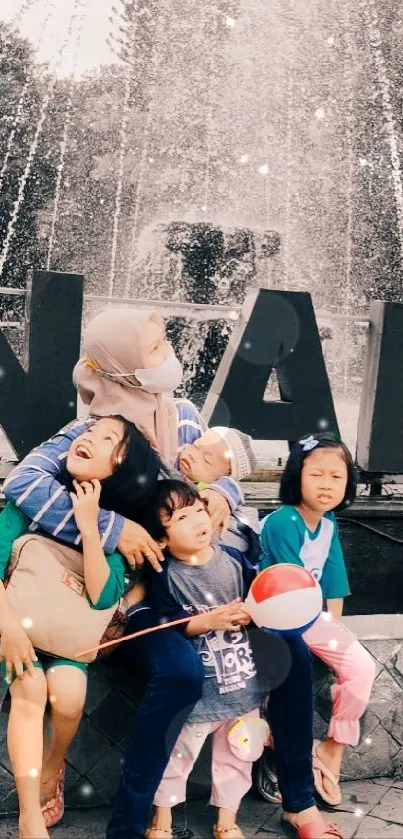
309, 443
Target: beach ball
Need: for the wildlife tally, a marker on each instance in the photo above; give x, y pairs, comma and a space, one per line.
284, 598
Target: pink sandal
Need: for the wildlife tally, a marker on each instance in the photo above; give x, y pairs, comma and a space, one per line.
57, 802
312, 830
321, 771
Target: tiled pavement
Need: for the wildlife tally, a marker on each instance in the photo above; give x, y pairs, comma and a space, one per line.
370, 810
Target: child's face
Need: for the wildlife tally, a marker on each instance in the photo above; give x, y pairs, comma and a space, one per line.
93, 453
324, 479
188, 531
207, 459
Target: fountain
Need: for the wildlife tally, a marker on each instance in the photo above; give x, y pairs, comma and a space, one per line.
229, 145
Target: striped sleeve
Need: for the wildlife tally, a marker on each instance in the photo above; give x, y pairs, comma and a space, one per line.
191, 426
36, 487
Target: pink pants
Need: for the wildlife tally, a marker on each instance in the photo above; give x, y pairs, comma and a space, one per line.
231, 776
354, 667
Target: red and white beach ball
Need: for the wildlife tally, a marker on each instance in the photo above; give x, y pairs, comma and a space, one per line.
284, 598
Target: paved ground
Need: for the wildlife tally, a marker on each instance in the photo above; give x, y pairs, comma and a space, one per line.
370, 810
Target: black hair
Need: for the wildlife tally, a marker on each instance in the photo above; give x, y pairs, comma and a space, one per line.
170, 495
290, 486
134, 480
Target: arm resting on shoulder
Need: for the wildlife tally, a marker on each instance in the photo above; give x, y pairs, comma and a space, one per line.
36, 488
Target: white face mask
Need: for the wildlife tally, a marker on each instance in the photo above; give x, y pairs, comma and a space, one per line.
162, 379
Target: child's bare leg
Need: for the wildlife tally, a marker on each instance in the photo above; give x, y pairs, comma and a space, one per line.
162, 820
226, 819
25, 747
67, 686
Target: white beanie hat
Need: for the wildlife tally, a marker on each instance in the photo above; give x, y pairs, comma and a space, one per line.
241, 456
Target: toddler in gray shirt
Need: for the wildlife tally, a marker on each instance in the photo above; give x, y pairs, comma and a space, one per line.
206, 584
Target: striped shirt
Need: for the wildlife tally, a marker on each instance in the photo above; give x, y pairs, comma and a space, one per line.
36, 484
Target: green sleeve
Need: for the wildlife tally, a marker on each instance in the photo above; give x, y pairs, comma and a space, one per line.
280, 540
334, 580
115, 584
13, 523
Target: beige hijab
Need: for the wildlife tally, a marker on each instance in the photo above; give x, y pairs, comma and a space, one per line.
112, 345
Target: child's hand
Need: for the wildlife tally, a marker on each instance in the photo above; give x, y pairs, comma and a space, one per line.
218, 509
85, 502
17, 652
246, 616
229, 616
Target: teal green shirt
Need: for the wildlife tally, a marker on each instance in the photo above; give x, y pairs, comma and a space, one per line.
13, 523
286, 538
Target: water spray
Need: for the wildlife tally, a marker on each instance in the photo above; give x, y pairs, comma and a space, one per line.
34, 146
64, 141
21, 101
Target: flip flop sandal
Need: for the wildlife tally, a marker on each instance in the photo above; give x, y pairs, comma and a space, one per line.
234, 832
57, 802
312, 830
321, 771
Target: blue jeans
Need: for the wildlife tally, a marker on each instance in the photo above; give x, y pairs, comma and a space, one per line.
174, 675
290, 713
174, 684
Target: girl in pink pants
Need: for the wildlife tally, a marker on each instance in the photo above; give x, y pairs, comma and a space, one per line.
236, 744
319, 479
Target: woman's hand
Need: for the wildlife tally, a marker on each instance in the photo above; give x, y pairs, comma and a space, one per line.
16, 650
136, 545
219, 509
85, 501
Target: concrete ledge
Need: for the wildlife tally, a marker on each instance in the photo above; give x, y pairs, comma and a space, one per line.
375, 627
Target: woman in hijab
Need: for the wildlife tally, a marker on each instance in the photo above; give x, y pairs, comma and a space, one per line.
129, 368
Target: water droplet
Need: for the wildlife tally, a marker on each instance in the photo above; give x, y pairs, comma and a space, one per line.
319, 113
244, 158
173, 799
333, 643
85, 790
194, 560
230, 22
2, 373
264, 170
368, 741
330, 41
33, 773
323, 423
358, 812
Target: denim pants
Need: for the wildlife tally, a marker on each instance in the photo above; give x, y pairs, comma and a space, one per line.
174, 676
290, 715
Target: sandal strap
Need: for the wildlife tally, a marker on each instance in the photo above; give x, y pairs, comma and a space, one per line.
233, 832
316, 830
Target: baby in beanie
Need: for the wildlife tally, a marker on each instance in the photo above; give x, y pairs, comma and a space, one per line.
218, 453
